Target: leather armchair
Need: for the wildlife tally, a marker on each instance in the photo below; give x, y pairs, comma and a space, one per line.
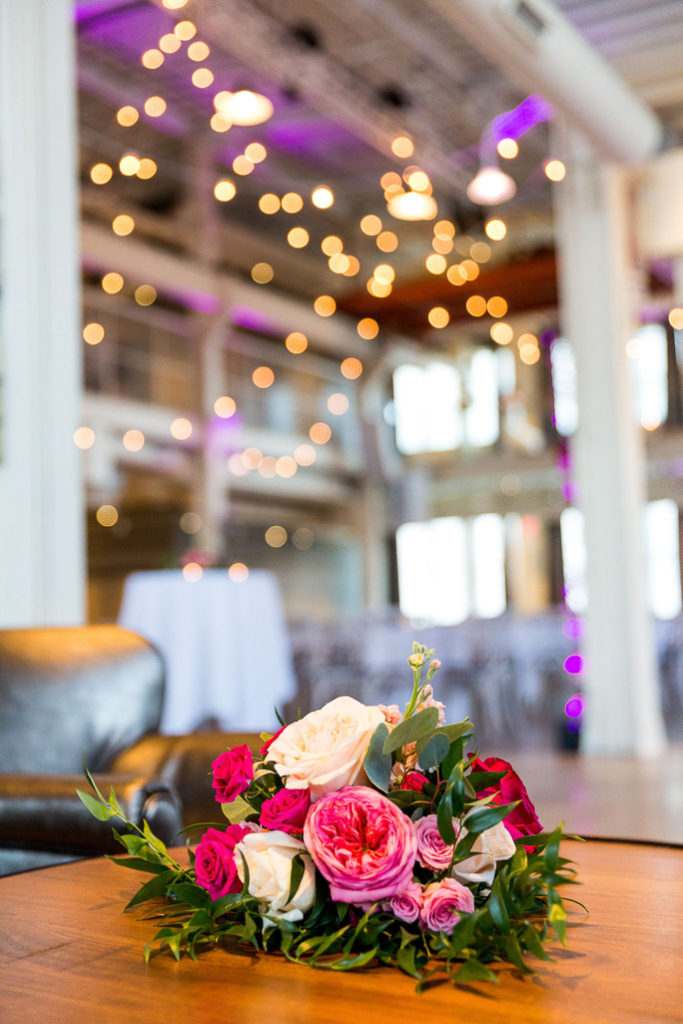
67, 694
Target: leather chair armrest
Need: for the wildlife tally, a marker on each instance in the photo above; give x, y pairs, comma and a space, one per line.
43, 812
185, 763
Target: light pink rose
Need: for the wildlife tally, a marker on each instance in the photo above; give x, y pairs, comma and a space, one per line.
442, 904
361, 843
432, 851
232, 772
407, 904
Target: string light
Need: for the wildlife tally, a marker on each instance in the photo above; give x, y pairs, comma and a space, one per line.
145, 294
224, 190
202, 78
263, 377
198, 51
251, 457
324, 305
152, 59
276, 536
496, 306
476, 305
338, 404
185, 30
481, 252
127, 116
292, 202
181, 428
322, 197
555, 170
438, 317
170, 43
387, 241
339, 263
332, 245
100, 174
190, 522
269, 203
84, 438
129, 165
192, 572
351, 368
508, 149
262, 273
93, 333
122, 224
298, 238
676, 318
371, 224
305, 454
256, 152
496, 229
146, 168
402, 147
367, 328
501, 333
225, 407
133, 440
296, 343
220, 123
238, 572
320, 433
435, 263
456, 274
107, 515
303, 538
155, 106
112, 282
286, 466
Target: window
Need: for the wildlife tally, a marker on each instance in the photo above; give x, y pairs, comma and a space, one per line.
427, 408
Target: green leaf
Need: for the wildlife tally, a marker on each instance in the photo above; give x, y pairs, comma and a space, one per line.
411, 729
98, 810
434, 751
297, 873
156, 886
444, 819
139, 864
191, 894
558, 919
462, 934
487, 817
515, 956
552, 850
173, 944
482, 780
405, 958
91, 780
534, 944
456, 731
348, 964
472, 970
237, 811
497, 908
378, 764
453, 757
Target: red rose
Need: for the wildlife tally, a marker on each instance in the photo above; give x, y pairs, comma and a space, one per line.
286, 811
215, 861
232, 773
522, 819
266, 745
415, 781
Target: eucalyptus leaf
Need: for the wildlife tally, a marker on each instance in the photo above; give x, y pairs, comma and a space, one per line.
377, 764
434, 751
412, 729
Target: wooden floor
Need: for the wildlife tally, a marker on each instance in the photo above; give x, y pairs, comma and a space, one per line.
623, 798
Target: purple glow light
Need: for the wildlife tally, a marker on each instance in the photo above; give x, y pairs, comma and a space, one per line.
563, 459
573, 628
574, 706
254, 320
573, 664
569, 490
514, 123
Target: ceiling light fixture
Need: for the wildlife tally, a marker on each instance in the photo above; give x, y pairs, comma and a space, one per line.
412, 206
491, 186
244, 107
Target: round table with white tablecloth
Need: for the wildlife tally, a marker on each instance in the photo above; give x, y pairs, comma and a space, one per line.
225, 645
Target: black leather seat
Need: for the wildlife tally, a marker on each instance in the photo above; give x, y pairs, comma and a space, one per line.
67, 694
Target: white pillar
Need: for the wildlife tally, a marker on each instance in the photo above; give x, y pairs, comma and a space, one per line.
599, 290
41, 492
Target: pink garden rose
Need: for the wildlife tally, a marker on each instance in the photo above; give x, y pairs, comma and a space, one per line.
266, 745
442, 904
232, 773
361, 843
286, 811
432, 851
215, 860
407, 904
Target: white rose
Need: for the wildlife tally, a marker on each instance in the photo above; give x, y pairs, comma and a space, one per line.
325, 749
269, 857
491, 846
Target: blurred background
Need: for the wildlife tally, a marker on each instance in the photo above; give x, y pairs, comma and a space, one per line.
327, 327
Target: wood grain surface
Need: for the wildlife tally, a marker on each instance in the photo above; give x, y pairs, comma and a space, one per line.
69, 954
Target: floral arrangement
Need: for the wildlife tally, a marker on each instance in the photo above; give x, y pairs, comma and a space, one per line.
362, 835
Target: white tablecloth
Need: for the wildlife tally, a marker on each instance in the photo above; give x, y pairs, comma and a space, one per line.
225, 645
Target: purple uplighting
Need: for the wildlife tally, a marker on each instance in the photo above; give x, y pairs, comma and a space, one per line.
514, 123
573, 628
568, 490
253, 320
573, 664
574, 706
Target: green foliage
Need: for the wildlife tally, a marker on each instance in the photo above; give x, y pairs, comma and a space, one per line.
511, 923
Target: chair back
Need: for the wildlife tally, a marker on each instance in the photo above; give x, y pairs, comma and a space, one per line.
73, 692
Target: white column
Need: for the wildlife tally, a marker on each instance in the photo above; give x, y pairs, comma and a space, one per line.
599, 290
41, 492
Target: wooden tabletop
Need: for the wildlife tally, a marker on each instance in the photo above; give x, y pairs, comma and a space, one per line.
69, 954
